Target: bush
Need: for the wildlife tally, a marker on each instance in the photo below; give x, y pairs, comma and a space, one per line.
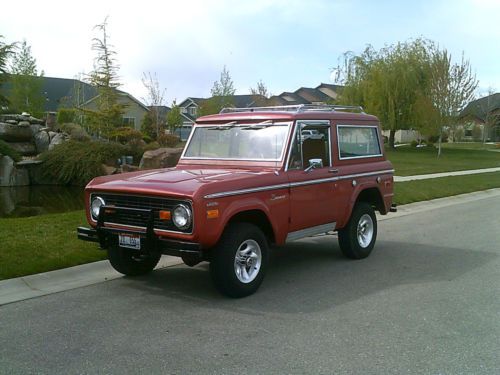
5, 149
66, 115
76, 163
152, 146
135, 148
413, 143
125, 135
168, 140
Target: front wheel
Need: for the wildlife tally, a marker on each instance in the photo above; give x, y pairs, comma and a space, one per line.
130, 262
358, 237
239, 260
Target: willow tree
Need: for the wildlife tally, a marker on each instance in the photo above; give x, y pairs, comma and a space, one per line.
387, 83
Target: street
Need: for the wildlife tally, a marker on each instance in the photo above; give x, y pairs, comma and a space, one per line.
427, 301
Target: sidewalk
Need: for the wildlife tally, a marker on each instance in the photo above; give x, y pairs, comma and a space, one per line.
444, 174
21, 288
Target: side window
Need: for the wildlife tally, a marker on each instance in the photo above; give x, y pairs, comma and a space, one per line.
358, 141
311, 141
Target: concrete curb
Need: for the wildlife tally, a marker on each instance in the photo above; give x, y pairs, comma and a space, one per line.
444, 174
21, 288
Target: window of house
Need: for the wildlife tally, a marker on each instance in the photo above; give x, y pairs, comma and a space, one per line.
129, 121
311, 141
358, 141
192, 111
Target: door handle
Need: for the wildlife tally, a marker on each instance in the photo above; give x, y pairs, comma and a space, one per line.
333, 171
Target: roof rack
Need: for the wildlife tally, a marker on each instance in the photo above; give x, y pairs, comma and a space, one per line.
297, 108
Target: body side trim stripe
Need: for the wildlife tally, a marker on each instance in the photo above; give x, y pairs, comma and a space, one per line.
295, 184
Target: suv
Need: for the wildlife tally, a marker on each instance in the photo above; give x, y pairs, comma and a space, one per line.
247, 179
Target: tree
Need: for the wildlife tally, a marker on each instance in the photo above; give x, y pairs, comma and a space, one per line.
261, 89
386, 83
109, 111
174, 117
222, 95
450, 88
6, 50
154, 100
26, 94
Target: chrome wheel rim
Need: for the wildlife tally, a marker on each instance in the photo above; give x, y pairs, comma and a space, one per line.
365, 230
247, 261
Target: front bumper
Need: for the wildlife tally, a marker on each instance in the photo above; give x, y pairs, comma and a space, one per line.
150, 242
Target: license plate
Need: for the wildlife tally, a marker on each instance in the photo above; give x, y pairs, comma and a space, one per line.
130, 241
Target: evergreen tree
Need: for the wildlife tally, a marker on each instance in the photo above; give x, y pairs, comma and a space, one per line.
26, 94
108, 113
6, 51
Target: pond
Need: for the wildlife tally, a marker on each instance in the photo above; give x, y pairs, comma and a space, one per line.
24, 201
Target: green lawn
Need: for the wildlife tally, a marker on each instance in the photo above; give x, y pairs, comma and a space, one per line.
422, 190
410, 161
43, 243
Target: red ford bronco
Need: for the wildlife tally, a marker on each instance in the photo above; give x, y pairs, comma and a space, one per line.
247, 179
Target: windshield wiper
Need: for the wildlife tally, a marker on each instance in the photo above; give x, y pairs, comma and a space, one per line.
260, 125
227, 126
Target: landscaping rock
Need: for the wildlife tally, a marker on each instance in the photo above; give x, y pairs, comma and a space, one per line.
42, 141
10, 175
15, 133
128, 168
24, 148
57, 139
160, 158
108, 169
35, 128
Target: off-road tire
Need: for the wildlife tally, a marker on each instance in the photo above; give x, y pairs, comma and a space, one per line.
357, 238
131, 263
239, 239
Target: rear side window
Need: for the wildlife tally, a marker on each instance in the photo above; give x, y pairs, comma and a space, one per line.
358, 141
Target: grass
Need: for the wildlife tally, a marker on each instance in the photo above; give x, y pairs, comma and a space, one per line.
43, 243
410, 161
422, 190
471, 146
48, 242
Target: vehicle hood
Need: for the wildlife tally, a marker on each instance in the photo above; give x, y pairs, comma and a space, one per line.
184, 182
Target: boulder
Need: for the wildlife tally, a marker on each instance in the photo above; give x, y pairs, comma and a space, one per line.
52, 135
35, 128
160, 158
42, 141
24, 148
57, 139
15, 133
10, 175
108, 169
128, 168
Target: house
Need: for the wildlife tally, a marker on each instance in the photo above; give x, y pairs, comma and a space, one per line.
322, 94
73, 93
482, 114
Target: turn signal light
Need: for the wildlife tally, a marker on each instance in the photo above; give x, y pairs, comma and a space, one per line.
212, 214
165, 215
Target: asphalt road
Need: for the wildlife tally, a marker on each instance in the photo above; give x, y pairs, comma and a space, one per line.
427, 301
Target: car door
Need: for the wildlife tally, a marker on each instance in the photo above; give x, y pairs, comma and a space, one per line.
311, 187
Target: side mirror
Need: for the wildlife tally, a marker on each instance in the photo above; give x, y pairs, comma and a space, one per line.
313, 164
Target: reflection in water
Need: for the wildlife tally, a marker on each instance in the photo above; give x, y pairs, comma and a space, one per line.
23, 201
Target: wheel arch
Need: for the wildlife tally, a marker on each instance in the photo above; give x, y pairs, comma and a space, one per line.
256, 217
372, 196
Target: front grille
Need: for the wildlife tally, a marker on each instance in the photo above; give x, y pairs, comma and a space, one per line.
146, 203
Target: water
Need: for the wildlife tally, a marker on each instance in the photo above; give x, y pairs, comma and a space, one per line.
24, 201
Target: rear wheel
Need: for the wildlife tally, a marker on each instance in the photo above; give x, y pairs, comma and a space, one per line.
239, 260
130, 262
357, 239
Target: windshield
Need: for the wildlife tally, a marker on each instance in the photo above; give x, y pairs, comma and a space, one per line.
234, 141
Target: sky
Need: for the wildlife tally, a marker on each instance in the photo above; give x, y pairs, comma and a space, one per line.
287, 44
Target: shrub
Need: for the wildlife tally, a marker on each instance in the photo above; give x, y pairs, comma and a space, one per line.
76, 163
413, 143
125, 134
135, 148
66, 115
168, 140
5, 149
152, 146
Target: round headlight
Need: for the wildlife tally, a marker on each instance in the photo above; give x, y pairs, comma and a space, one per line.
95, 206
181, 216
